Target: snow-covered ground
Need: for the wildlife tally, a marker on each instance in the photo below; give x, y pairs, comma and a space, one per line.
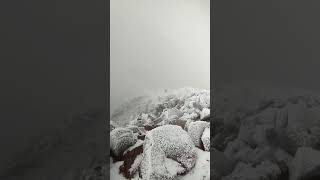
201, 170
172, 125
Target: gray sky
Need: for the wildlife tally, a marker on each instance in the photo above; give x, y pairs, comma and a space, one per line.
158, 44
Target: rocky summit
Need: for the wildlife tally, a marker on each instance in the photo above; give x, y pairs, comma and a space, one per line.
162, 136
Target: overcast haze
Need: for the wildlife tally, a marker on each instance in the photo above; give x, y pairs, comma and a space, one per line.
158, 44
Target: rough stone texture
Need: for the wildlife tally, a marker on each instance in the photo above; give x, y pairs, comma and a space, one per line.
195, 130
121, 139
168, 141
204, 113
206, 139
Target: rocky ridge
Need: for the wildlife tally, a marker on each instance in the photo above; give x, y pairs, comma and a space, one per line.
165, 136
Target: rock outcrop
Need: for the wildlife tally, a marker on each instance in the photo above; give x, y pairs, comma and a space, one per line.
168, 152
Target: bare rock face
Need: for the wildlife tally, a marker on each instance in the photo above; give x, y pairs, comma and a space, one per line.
306, 164
168, 152
121, 139
132, 159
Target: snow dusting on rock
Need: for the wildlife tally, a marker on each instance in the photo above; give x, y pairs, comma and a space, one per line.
206, 139
195, 130
168, 141
167, 126
121, 139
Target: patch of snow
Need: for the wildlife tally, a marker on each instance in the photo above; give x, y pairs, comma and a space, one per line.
201, 170
173, 167
114, 170
115, 174
205, 113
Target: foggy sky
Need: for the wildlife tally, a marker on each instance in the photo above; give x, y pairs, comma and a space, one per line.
270, 42
158, 45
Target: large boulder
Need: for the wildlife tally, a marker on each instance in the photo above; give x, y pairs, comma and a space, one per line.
168, 151
195, 130
121, 139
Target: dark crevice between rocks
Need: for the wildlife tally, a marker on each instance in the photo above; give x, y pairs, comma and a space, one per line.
141, 137
149, 128
202, 146
129, 158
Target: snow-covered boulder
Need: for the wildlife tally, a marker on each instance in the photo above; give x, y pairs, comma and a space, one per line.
206, 139
306, 164
204, 100
192, 114
179, 122
168, 152
112, 126
121, 139
171, 113
201, 170
205, 113
187, 124
195, 130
